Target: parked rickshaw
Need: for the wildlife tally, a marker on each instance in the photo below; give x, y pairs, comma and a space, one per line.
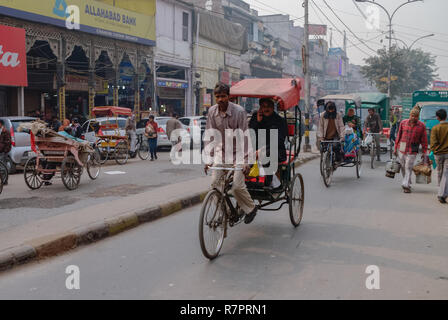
328, 162
219, 209
111, 139
56, 154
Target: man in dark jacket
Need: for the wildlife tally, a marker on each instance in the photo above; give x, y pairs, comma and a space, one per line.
375, 125
266, 118
5, 144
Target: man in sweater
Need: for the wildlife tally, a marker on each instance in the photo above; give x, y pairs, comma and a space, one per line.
439, 145
411, 134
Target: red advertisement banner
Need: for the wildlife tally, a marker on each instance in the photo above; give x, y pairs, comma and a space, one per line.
12, 57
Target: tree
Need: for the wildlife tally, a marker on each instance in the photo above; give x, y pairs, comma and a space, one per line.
413, 70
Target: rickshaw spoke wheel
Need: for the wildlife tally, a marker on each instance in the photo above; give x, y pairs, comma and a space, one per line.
103, 152
71, 173
121, 152
296, 200
31, 174
326, 168
143, 150
212, 225
94, 165
3, 172
358, 163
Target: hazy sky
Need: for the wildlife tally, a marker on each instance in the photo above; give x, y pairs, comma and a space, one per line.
409, 23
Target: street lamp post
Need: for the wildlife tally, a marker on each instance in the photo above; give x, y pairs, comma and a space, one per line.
390, 16
415, 41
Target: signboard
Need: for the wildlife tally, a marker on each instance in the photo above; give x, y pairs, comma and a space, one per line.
317, 29
172, 84
12, 57
440, 85
94, 17
81, 83
207, 100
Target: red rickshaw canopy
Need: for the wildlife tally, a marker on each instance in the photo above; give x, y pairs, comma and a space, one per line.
284, 91
111, 111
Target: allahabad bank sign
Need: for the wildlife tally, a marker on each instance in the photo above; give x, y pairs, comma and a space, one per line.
94, 17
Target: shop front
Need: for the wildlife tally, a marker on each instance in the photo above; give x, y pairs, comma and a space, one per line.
171, 97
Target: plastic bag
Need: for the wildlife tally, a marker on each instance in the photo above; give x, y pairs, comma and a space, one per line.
423, 169
254, 171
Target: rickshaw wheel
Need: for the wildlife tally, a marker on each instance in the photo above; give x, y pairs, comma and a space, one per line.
32, 177
212, 225
326, 168
121, 153
358, 163
296, 200
93, 165
3, 172
143, 149
71, 173
1, 186
103, 152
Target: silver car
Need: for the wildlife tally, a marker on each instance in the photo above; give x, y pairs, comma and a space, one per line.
21, 143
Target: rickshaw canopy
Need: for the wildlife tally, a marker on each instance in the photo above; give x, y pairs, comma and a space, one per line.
111, 111
286, 92
347, 97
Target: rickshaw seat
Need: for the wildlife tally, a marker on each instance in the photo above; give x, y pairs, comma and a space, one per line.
286, 162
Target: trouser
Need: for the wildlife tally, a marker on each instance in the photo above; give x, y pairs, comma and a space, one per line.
442, 174
407, 164
239, 189
133, 137
152, 142
376, 140
4, 159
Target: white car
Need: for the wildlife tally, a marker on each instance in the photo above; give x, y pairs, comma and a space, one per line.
195, 126
162, 138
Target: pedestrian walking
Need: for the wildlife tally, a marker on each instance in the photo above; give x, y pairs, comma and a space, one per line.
375, 125
411, 134
5, 145
151, 130
171, 125
131, 131
439, 146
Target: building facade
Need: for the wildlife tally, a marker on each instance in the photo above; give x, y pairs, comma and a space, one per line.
105, 59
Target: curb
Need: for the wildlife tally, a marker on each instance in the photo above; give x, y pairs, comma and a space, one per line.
56, 244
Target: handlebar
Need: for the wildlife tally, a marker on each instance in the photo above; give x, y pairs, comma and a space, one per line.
226, 169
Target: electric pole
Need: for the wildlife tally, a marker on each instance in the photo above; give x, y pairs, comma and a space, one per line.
306, 69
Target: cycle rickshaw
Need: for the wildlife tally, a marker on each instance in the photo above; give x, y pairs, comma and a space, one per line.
219, 209
328, 163
110, 136
57, 154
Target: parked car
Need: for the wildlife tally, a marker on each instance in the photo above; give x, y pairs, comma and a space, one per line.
88, 127
162, 138
195, 125
21, 143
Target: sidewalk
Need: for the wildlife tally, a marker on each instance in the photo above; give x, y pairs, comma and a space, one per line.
55, 235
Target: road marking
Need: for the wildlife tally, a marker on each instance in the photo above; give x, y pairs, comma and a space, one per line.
114, 172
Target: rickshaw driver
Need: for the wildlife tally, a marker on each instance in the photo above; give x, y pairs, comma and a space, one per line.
227, 115
266, 118
331, 127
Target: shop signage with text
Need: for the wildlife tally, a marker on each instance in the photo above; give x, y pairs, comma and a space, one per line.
172, 84
12, 57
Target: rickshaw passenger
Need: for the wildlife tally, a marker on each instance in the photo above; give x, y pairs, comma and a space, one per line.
267, 118
353, 121
331, 127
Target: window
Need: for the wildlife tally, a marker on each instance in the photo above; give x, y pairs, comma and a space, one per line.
185, 18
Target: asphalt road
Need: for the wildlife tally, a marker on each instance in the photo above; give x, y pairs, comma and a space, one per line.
19, 204
346, 228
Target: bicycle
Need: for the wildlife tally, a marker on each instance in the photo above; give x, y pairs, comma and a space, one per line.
328, 162
142, 147
370, 143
